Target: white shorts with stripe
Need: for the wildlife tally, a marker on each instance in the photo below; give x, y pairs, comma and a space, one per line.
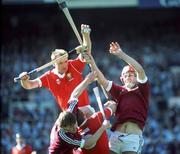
121, 142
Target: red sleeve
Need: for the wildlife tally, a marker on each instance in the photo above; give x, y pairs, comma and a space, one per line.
107, 114
78, 64
44, 79
116, 90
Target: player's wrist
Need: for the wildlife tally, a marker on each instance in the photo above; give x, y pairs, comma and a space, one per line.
25, 78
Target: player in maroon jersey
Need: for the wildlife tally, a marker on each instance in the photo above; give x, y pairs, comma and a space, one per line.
132, 103
65, 137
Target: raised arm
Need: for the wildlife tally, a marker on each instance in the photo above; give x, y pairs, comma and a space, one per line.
101, 78
83, 85
85, 31
116, 50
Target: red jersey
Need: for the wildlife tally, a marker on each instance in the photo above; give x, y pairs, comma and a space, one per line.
62, 88
90, 127
25, 150
132, 105
64, 143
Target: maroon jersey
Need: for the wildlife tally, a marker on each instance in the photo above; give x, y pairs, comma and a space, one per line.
64, 143
132, 105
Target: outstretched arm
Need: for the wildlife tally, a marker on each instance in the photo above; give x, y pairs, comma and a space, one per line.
26, 83
117, 51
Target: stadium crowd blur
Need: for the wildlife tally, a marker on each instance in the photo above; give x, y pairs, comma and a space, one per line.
27, 44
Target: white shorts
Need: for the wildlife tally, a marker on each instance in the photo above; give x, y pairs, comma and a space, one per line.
121, 142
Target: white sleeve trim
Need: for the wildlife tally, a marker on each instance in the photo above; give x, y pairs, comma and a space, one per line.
72, 104
82, 143
39, 82
109, 86
110, 110
142, 81
69, 140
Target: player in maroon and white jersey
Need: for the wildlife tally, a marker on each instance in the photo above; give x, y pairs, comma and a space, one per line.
132, 103
65, 137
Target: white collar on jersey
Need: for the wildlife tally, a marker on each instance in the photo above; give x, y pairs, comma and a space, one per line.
58, 74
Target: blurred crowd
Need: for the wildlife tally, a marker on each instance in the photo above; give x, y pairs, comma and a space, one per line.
32, 113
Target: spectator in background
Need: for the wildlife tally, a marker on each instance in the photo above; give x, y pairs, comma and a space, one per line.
21, 147
66, 75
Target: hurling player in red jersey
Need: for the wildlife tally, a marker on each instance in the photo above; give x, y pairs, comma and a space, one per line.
132, 103
88, 126
21, 147
65, 138
65, 76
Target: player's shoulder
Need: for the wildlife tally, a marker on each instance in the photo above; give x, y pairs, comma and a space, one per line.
95, 115
49, 72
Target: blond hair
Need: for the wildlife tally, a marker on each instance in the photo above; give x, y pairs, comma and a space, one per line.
58, 52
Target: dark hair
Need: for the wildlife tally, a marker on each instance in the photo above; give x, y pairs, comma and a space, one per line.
66, 119
80, 117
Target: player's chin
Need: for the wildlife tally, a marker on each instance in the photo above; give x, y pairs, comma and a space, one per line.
130, 85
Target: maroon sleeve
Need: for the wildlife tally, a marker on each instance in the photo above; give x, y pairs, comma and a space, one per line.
145, 90
71, 140
116, 91
73, 105
45, 79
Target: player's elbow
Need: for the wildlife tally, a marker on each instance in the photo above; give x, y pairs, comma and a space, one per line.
89, 145
29, 86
